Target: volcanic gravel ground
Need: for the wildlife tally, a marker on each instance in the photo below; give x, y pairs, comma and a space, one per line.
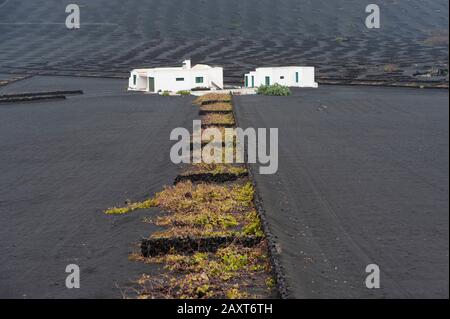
363, 179
61, 165
116, 36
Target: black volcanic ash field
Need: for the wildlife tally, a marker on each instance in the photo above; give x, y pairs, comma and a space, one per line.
116, 36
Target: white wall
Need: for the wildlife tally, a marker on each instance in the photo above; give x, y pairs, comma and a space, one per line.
165, 79
216, 76
284, 76
308, 77
141, 82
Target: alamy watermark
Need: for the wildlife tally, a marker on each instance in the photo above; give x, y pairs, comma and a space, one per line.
73, 19
373, 279
261, 147
73, 279
373, 20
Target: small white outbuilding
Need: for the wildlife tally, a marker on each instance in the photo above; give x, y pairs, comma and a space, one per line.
292, 76
176, 78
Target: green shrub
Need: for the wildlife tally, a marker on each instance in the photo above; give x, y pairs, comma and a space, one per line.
275, 90
184, 92
165, 93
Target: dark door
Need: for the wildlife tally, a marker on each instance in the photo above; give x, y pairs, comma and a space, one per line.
151, 84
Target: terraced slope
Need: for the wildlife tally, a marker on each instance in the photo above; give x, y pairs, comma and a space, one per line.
116, 36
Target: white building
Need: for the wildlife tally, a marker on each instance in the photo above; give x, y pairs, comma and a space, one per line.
176, 79
292, 76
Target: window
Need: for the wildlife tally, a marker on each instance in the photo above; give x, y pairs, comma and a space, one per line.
180, 79
267, 80
282, 77
246, 81
134, 79
297, 77
199, 79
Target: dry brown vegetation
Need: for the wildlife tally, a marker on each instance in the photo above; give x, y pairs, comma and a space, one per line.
221, 130
221, 136
234, 272
225, 151
131, 207
213, 97
214, 169
438, 39
217, 107
218, 119
203, 210
208, 210
390, 68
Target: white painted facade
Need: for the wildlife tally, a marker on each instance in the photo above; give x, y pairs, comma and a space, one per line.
292, 76
176, 79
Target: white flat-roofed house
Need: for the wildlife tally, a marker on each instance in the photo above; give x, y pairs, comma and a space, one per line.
176, 78
292, 76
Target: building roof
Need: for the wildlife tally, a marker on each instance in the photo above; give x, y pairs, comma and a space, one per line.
284, 67
201, 67
195, 67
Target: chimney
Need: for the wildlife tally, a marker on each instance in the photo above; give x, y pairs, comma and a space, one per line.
187, 64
